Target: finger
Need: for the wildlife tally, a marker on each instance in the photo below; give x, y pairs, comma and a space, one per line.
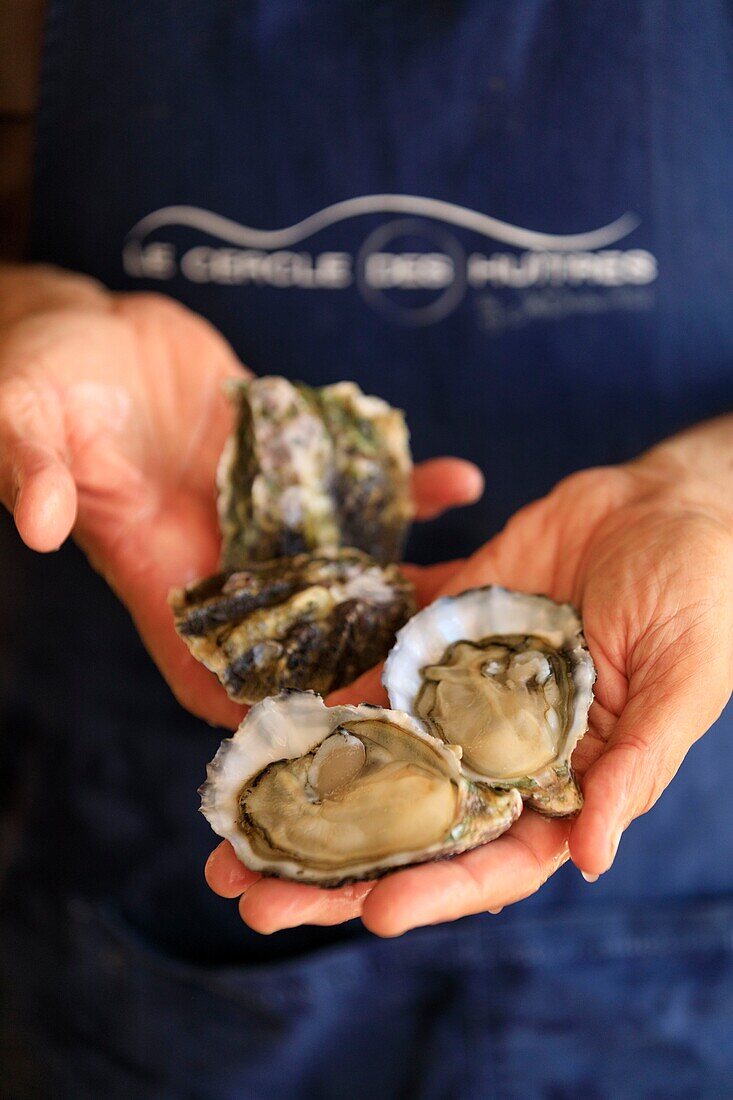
273, 904
224, 873
430, 579
490, 877
443, 483
41, 495
650, 741
35, 482
367, 689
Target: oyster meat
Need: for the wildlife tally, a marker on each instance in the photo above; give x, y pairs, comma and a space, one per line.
328, 795
312, 469
296, 622
508, 678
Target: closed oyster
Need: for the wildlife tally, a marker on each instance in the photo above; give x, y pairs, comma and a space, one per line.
508, 678
327, 795
312, 469
299, 622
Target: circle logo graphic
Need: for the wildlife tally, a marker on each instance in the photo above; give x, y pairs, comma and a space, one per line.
411, 271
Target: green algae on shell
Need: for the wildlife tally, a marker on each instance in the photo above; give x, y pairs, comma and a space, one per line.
310, 469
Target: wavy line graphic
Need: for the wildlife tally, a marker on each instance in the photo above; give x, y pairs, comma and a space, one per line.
245, 236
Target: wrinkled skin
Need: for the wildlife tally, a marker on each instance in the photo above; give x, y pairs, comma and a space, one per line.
646, 551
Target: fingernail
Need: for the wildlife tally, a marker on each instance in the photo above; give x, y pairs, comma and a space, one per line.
590, 878
495, 911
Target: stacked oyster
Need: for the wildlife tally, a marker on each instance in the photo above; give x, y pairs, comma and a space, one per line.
489, 691
314, 507
309, 621
311, 469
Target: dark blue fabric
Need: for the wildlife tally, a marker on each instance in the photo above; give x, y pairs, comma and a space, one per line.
535, 357
606, 1002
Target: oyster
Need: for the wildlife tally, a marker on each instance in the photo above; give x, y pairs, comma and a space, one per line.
327, 795
299, 622
312, 469
508, 678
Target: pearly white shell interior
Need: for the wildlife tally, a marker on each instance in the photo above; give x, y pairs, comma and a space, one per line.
477, 614
285, 727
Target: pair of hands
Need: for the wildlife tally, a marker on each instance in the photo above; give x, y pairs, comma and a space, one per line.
111, 423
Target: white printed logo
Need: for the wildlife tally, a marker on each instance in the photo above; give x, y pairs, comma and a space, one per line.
412, 268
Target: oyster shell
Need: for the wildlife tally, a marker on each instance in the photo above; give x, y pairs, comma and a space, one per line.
327, 795
508, 678
311, 469
299, 622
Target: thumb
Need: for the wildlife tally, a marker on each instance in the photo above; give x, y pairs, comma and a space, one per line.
650, 741
443, 483
37, 487
36, 484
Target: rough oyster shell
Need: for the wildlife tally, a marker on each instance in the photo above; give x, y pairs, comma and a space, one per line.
311, 469
327, 795
506, 676
300, 622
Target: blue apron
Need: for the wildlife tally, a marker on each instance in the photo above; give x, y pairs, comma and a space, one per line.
513, 220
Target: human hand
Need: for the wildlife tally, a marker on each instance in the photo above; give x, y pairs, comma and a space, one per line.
112, 419
646, 552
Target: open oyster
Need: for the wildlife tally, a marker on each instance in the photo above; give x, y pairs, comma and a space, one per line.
299, 622
312, 469
508, 678
327, 795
